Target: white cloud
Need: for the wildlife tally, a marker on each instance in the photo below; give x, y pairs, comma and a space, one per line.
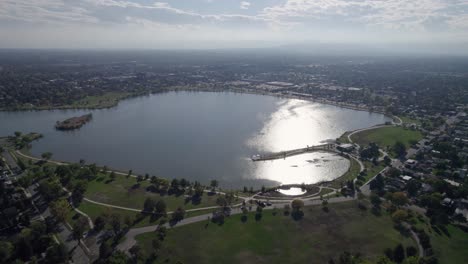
244, 5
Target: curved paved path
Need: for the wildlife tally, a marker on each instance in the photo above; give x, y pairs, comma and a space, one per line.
132, 233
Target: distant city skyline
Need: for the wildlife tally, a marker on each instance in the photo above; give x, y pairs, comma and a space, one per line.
206, 24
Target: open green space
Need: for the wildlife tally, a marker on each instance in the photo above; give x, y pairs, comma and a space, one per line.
316, 238
387, 136
372, 169
450, 245
138, 220
127, 192
100, 101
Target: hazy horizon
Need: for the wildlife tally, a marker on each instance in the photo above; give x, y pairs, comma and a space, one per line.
423, 26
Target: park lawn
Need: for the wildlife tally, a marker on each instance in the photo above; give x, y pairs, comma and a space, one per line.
448, 247
372, 169
95, 210
127, 192
344, 138
316, 238
387, 136
101, 101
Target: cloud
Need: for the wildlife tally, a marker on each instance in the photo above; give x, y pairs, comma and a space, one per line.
279, 20
244, 5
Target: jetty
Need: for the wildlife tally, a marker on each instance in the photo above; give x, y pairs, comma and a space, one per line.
293, 152
74, 122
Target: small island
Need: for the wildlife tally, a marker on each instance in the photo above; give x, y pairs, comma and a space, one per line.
74, 122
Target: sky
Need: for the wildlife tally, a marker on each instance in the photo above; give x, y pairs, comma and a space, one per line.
208, 24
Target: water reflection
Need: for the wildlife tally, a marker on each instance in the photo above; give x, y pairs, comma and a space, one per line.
306, 168
200, 136
293, 191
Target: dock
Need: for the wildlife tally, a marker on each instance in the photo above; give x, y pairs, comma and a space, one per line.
293, 152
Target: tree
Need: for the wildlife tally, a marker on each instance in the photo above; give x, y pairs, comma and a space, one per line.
112, 176
213, 184
78, 191
387, 161
17, 134
161, 232
149, 205
399, 198
105, 250
297, 205
399, 148
375, 200
99, 223
160, 207
325, 205
59, 209
6, 251
129, 173
115, 223
399, 253
399, 215
46, 155
79, 228
156, 245
118, 257
258, 213
411, 251
135, 252
178, 214
57, 253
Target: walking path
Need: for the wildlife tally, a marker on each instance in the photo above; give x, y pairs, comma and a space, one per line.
132, 233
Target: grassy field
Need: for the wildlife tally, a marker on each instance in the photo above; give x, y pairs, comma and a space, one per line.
387, 136
316, 238
127, 192
102, 101
451, 248
448, 247
372, 169
94, 210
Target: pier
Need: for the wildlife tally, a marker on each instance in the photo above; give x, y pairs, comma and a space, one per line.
293, 152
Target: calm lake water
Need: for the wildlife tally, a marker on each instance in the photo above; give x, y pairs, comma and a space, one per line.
200, 136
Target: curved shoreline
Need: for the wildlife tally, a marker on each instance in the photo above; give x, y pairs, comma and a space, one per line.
283, 96
230, 90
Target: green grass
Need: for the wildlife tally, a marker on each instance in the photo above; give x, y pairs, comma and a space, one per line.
452, 248
106, 100
387, 136
372, 169
344, 138
127, 192
316, 238
95, 210
448, 247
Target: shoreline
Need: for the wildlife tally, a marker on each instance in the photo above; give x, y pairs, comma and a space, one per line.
121, 172
232, 90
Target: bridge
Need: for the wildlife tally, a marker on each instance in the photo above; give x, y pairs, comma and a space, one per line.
293, 152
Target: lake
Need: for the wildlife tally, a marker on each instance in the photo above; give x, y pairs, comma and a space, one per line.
200, 136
